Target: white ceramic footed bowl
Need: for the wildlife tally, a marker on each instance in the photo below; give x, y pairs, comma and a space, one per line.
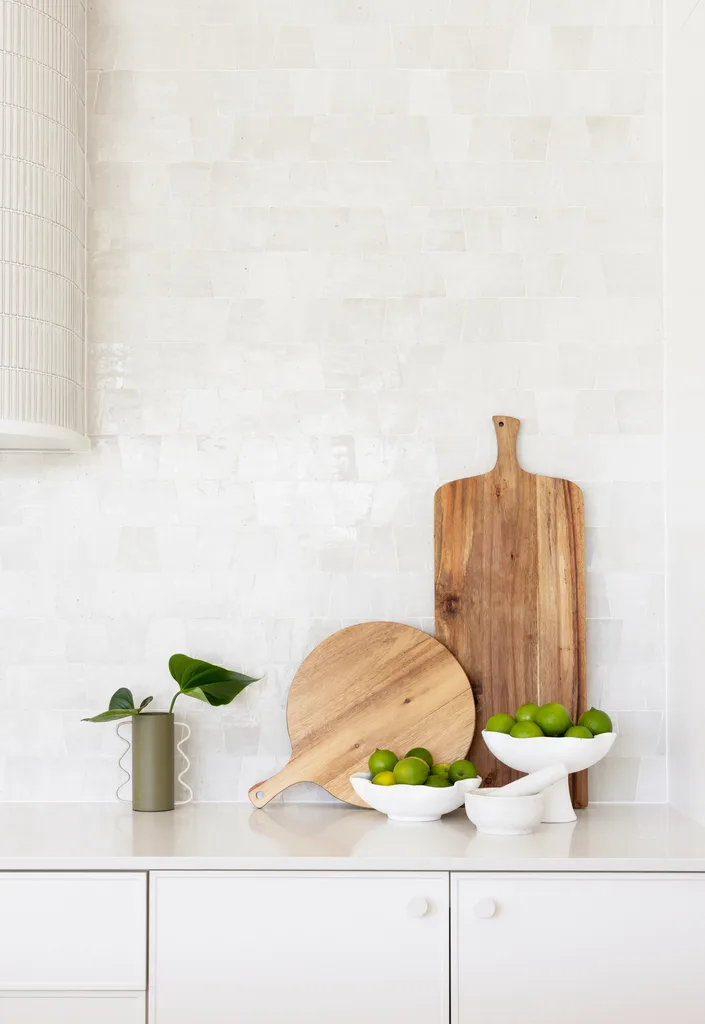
496, 815
412, 803
529, 755
541, 751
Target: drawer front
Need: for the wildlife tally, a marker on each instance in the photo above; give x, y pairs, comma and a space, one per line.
72, 1008
70, 931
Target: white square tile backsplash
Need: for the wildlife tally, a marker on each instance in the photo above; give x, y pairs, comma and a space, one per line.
330, 238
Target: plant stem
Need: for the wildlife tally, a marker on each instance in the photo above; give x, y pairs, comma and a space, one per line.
171, 706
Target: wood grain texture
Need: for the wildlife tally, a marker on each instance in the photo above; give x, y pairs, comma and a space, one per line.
510, 591
379, 684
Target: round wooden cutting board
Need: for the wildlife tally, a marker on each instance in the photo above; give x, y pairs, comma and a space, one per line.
379, 684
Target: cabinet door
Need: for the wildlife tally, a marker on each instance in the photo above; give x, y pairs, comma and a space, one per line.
72, 1008
73, 931
299, 947
589, 949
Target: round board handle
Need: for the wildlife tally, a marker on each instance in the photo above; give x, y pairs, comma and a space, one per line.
263, 792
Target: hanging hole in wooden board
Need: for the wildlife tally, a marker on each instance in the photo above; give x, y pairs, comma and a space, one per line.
260, 795
501, 423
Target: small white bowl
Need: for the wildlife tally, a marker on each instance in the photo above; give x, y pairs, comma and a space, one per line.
412, 803
496, 815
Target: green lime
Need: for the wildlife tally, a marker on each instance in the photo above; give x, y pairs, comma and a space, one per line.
553, 719
437, 782
382, 761
500, 723
462, 770
579, 732
526, 731
411, 771
596, 721
527, 713
384, 779
422, 753
440, 769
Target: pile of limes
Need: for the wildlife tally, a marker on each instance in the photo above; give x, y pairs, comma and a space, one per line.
550, 720
417, 769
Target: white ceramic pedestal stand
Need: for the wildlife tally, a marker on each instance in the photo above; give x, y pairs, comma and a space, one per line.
541, 751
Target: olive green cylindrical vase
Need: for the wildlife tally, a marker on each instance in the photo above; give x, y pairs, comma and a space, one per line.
153, 761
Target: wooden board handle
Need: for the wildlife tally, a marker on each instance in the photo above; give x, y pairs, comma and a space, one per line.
263, 792
507, 430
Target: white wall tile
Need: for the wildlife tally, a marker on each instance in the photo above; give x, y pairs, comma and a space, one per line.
329, 240
684, 394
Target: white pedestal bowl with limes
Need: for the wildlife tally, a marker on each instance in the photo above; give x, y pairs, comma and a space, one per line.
527, 750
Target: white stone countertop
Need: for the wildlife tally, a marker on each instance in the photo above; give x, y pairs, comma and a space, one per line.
110, 837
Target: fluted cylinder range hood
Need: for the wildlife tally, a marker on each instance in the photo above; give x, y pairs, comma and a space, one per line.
43, 227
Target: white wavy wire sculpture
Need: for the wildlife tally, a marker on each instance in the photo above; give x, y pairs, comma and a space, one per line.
43, 227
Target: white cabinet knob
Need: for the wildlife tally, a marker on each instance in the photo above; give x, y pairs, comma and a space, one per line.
485, 909
418, 907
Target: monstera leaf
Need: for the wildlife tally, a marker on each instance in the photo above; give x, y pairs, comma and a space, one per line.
210, 683
206, 682
122, 705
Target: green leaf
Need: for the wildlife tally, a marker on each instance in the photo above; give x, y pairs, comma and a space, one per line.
196, 692
178, 664
122, 700
223, 692
206, 682
195, 668
205, 674
113, 715
122, 705
216, 691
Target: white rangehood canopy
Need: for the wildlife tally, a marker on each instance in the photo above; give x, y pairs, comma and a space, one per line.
43, 226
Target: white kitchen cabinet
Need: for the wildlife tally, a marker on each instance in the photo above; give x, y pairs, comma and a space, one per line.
72, 1008
308, 946
71, 931
585, 948
299, 947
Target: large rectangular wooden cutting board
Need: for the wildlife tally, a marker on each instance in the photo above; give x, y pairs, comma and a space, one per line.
510, 592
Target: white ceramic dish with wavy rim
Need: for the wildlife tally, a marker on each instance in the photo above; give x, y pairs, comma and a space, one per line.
496, 815
529, 755
412, 803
